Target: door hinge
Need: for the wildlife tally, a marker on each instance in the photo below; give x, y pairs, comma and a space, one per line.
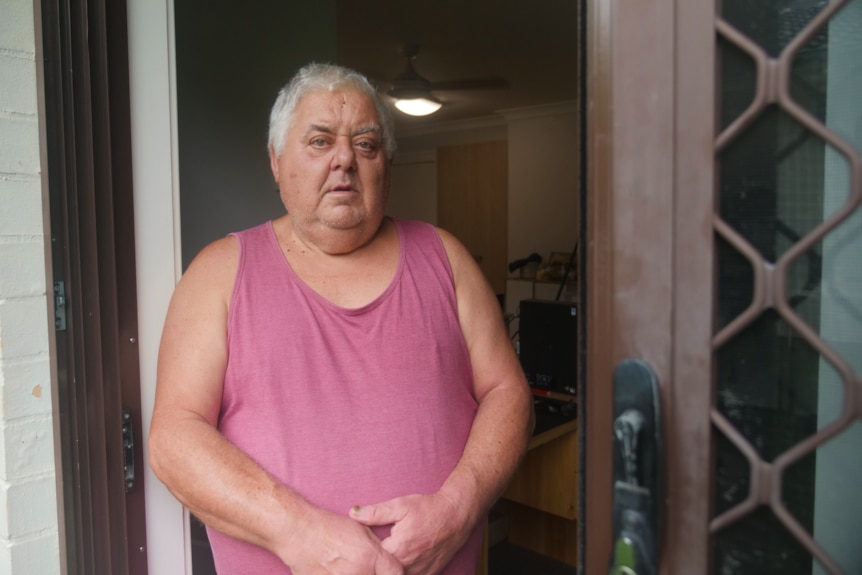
60, 306
128, 449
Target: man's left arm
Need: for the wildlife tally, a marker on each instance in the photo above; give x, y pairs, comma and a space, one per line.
429, 529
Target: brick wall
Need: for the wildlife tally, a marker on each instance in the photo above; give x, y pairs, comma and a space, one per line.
29, 541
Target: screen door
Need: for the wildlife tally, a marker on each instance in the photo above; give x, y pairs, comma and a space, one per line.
725, 249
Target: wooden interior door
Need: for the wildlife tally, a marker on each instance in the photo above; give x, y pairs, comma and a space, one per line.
724, 239
473, 203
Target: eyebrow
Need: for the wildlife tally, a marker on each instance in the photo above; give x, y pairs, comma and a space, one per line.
370, 128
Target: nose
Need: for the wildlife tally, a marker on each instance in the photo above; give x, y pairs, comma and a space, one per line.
344, 156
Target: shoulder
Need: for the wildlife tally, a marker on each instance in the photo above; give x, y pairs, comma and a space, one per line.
419, 228
462, 263
197, 316
213, 270
216, 258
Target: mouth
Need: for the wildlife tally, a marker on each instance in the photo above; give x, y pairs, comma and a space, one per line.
343, 188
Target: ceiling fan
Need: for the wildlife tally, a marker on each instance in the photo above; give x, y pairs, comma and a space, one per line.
414, 94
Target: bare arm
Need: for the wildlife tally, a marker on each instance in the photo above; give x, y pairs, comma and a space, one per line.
211, 477
432, 528
504, 421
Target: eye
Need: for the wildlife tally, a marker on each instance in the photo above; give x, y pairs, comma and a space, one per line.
318, 142
367, 145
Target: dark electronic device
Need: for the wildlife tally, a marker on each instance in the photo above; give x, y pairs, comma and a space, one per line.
548, 334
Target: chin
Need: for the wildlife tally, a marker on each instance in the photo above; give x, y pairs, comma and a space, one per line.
345, 219
344, 222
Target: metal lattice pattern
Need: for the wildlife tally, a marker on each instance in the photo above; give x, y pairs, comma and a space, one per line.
770, 283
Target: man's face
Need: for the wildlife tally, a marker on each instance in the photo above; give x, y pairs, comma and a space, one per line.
333, 172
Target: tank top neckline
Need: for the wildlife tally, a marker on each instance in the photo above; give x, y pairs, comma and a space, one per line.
310, 292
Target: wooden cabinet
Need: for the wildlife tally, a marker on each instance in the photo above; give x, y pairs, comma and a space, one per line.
542, 499
547, 478
473, 203
544, 493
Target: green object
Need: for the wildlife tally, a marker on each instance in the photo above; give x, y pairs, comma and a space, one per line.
624, 557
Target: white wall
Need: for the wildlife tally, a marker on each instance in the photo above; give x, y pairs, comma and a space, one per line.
29, 533
544, 185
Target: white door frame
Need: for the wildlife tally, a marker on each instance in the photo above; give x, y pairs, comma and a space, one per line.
152, 77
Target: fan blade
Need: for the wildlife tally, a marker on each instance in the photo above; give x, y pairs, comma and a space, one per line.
490, 83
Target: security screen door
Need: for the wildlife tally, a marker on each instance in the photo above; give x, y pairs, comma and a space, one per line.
724, 240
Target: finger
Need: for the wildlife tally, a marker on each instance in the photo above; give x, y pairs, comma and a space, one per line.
374, 515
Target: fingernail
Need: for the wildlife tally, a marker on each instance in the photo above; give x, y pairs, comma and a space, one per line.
357, 510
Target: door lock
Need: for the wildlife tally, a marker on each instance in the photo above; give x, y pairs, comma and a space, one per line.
638, 457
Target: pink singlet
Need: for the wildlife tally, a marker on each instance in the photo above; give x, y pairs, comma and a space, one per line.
346, 406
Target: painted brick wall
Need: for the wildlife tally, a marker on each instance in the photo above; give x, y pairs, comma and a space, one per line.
29, 541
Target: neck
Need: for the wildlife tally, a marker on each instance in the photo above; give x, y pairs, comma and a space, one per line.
326, 241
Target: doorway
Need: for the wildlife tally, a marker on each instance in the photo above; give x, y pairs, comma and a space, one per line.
223, 172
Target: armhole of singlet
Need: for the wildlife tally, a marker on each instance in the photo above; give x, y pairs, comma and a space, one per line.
234, 294
444, 255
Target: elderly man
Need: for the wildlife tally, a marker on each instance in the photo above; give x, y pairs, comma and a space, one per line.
336, 390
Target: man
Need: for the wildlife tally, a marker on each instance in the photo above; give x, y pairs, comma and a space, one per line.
336, 390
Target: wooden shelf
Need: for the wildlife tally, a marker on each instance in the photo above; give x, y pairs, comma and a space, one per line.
552, 434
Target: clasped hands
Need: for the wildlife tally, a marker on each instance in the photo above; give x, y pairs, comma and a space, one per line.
425, 533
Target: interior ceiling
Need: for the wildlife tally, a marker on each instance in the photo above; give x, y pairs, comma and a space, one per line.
532, 45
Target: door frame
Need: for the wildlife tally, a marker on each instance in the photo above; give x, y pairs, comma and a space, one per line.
648, 148
152, 65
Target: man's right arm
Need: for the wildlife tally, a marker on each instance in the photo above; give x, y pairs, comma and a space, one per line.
211, 477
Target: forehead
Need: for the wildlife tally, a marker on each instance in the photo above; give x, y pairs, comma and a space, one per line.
335, 107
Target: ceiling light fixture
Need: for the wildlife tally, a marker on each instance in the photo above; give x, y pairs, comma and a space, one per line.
412, 92
414, 95
422, 106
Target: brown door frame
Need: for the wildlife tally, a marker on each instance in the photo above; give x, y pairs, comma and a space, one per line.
88, 141
650, 133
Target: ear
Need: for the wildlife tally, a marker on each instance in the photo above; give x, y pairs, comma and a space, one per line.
273, 163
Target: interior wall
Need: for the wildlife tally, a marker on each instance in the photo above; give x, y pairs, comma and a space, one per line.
413, 190
230, 65
455, 133
544, 180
